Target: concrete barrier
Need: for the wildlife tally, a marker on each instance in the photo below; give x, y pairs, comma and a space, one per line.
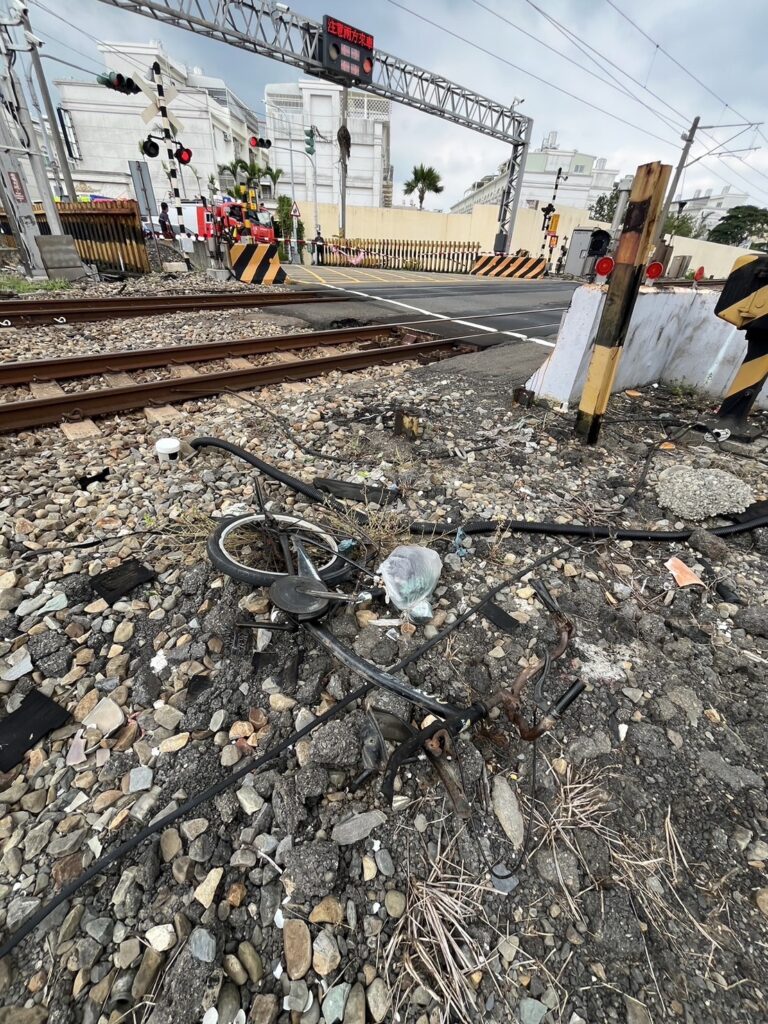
674, 338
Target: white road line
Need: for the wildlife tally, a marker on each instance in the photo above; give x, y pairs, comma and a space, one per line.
464, 323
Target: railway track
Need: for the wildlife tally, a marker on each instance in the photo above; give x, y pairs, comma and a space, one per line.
384, 345
16, 312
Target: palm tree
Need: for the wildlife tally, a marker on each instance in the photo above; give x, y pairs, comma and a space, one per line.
423, 179
233, 169
274, 174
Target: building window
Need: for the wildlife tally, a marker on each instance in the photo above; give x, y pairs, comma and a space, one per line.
578, 169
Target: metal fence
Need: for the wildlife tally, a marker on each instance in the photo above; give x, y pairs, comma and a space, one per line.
108, 234
457, 257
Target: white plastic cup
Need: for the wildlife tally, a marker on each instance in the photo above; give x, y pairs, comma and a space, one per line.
167, 449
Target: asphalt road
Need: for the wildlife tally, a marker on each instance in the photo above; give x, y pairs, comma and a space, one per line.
485, 311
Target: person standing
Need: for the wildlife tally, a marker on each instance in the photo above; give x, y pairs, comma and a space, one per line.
319, 248
166, 228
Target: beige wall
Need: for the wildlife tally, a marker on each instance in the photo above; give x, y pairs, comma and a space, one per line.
716, 259
480, 226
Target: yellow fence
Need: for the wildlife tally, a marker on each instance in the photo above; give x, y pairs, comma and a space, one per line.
401, 255
108, 234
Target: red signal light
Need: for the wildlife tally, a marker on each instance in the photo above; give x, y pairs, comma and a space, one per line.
654, 270
253, 142
367, 65
604, 266
183, 155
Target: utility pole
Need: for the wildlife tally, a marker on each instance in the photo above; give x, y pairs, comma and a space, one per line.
642, 217
344, 149
17, 204
294, 242
53, 125
688, 140
16, 104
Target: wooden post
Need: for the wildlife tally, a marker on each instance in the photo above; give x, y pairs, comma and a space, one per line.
643, 210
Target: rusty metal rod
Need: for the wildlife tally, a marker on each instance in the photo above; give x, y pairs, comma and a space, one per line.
104, 401
26, 371
81, 309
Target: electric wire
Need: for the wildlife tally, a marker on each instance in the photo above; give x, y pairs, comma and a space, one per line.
530, 74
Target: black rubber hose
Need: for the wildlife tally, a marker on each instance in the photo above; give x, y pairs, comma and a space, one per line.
481, 526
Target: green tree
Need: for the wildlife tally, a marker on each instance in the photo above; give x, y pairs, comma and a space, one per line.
605, 205
285, 223
740, 225
681, 224
423, 179
253, 173
233, 168
274, 174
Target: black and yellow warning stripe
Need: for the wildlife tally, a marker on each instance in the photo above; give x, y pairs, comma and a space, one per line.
743, 301
749, 381
509, 266
256, 263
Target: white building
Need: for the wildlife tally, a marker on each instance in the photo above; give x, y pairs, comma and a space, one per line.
105, 128
584, 178
707, 208
294, 107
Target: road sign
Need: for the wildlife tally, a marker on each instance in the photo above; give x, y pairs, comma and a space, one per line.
295, 210
152, 110
553, 241
554, 223
604, 266
654, 270
142, 189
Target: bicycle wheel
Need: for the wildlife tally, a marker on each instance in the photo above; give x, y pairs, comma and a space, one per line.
247, 549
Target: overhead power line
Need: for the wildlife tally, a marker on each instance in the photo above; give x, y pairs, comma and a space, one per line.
581, 43
615, 84
530, 74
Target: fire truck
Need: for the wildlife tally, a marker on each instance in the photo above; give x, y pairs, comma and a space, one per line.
235, 221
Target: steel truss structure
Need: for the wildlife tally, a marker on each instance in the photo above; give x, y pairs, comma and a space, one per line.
271, 30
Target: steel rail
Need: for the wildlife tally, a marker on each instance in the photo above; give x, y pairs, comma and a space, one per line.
66, 310
39, 412
28, 371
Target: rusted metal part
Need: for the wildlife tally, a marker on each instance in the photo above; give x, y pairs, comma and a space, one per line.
14, 312
168, 355
16, 416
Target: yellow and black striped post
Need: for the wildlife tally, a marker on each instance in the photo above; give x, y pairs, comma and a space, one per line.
748, 382
526, 267
743, 302
643, 209
256, 264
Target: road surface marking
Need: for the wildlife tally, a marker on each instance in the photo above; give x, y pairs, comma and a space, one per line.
442, 316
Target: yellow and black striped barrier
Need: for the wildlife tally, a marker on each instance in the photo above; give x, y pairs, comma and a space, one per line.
509, 266
256, 264
743, 302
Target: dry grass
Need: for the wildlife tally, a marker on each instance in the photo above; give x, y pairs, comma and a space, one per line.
383, 527
652, 872
432, 946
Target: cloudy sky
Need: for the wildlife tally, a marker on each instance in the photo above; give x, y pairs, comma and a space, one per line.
722, 45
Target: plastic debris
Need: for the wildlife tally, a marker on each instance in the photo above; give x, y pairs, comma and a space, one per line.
684, 577
410, 574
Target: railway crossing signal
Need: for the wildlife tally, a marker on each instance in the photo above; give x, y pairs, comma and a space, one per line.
347, 51
183, 155
149, 147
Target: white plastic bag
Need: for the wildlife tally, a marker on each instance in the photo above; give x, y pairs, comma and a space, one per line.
410, 575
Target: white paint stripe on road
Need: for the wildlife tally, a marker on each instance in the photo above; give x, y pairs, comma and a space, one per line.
464, 323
